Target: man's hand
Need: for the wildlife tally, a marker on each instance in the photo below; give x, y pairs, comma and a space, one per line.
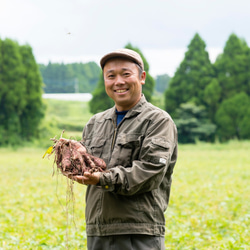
87, 178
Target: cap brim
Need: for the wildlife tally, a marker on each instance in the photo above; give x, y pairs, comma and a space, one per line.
118, 55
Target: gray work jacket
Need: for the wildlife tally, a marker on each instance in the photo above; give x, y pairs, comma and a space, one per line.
140, 154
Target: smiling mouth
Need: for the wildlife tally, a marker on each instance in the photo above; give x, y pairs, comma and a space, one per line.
121, 90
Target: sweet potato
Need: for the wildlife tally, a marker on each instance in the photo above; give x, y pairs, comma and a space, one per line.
71, 158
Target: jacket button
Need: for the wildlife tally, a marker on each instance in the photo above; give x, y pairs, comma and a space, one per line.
106, 187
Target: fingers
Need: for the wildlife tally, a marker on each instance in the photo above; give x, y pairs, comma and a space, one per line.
87, 174
87, 178
79, 179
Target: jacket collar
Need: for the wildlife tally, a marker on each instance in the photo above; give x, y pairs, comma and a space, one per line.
110, 113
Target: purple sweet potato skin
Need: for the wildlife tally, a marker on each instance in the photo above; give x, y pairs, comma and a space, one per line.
71, 158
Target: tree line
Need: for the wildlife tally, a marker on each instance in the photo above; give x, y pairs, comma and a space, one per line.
70, 78
208, 101
80, 78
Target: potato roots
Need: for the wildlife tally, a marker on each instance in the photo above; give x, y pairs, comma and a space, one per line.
71, 158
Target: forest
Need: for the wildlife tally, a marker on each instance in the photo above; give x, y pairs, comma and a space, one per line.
70, 78
208, 101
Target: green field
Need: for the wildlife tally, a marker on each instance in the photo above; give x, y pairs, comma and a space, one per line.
209, 205
70, 116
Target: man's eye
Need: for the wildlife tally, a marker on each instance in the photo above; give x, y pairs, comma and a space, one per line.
110, 76
126, 74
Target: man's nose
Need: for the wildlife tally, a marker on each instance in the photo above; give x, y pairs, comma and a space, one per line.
119, 80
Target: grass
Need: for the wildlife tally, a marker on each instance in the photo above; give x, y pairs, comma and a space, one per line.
71, 111
34, 204
209, 204
70, 116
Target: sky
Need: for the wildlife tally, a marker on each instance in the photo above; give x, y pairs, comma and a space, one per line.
66, 31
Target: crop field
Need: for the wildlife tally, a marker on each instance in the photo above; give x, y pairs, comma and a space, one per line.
209, 206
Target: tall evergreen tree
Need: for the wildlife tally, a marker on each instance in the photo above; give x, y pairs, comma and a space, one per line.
193, 124
233, 68
232, 117
244, 124
191, 78
20, 93
102, 101
148, 87
212, 96
1, 71
233, 76
13, 90
33, 111
2, 116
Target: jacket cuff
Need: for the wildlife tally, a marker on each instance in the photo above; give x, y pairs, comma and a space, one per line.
106, 183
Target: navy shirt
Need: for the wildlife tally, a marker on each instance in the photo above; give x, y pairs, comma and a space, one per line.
120, 115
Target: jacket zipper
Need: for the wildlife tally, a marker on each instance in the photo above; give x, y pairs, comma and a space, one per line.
114, 136
113, 140
115, 133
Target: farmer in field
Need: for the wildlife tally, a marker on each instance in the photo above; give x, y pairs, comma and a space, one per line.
125, 205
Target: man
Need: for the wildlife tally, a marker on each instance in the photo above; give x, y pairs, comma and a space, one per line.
138, 142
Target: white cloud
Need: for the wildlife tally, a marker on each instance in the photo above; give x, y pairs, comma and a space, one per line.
161, 29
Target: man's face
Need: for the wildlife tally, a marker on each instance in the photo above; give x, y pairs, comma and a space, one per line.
122, 82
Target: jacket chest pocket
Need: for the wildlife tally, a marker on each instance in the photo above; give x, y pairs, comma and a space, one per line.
96, 146
128, 148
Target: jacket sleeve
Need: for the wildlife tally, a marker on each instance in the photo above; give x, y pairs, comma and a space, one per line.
158, 155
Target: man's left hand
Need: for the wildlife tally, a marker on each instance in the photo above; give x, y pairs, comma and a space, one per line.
87, 178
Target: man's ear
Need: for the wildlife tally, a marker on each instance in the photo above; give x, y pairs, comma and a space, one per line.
143, 77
